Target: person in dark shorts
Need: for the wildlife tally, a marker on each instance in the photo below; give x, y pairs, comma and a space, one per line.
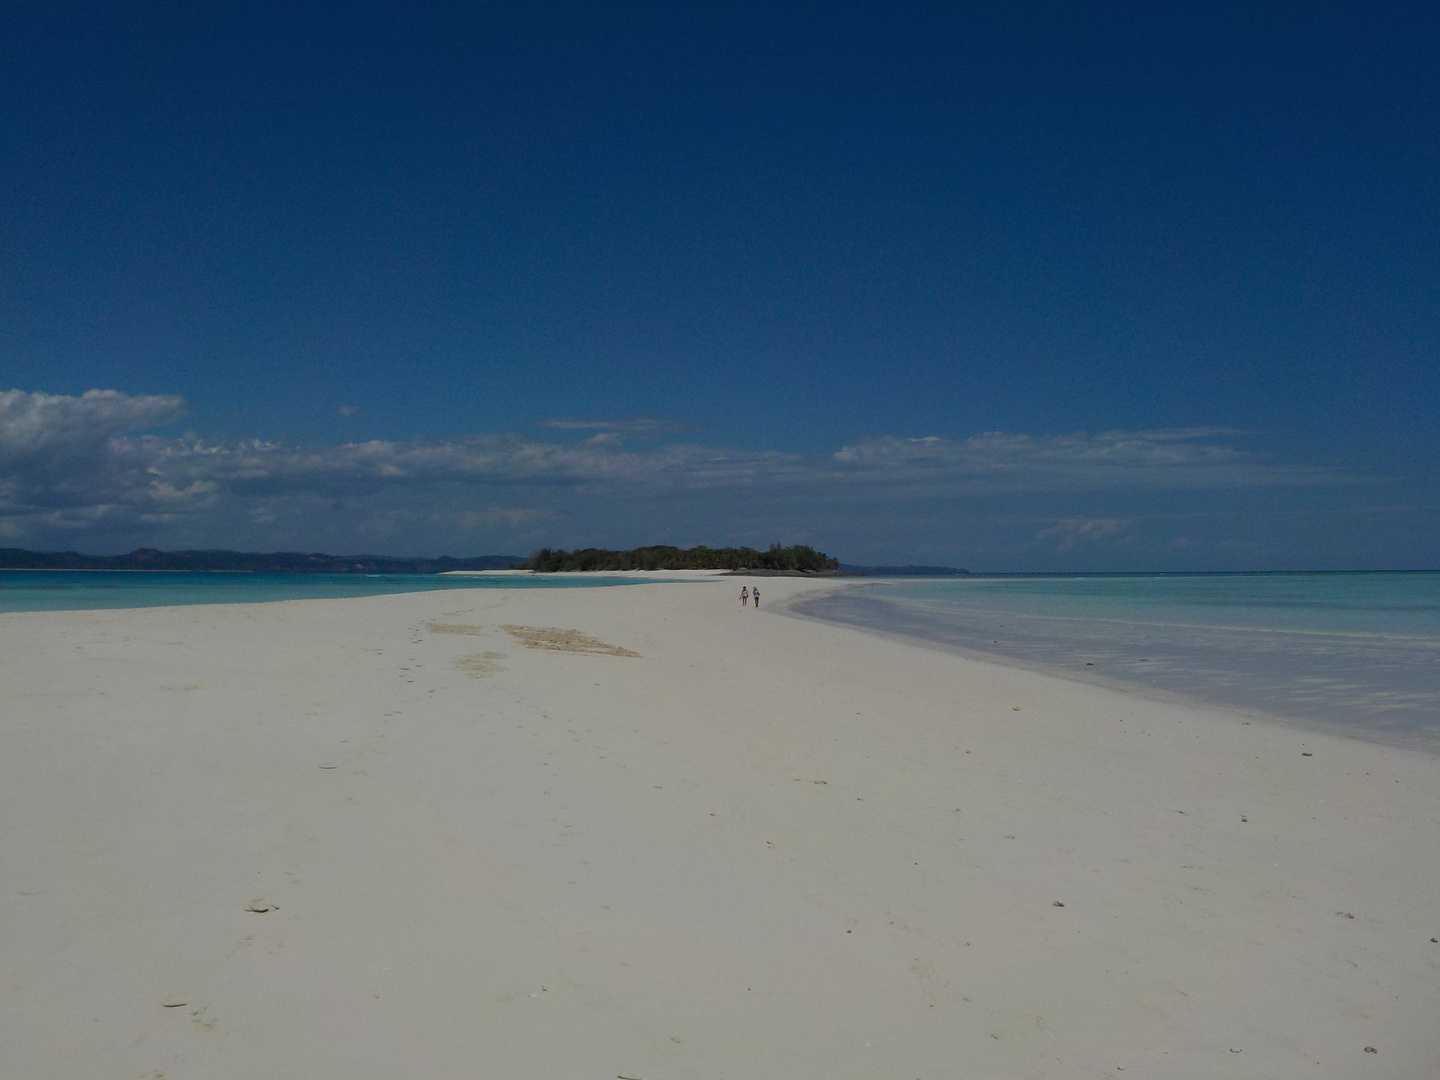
755, 595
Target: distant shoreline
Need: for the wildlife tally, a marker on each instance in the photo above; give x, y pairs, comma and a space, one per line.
119, 570
216, 560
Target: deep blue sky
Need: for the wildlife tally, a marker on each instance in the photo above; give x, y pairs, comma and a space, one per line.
781, 232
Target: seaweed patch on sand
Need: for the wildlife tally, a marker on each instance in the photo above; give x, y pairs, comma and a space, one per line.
480, 664
556, 640
451, 628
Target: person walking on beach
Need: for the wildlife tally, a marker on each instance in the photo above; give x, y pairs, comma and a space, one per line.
744, 596
755, 594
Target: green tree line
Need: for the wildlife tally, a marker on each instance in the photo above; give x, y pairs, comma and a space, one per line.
795, 559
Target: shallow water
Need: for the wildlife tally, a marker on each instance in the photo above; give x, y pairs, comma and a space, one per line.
68, 590
1358, 653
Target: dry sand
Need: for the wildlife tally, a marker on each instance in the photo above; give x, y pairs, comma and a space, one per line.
387, 837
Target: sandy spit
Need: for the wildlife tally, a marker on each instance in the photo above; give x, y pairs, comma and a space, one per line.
385, 837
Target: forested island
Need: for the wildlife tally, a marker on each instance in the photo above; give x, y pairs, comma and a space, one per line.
797, 559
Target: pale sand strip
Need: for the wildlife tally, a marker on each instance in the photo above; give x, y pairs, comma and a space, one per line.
763, 848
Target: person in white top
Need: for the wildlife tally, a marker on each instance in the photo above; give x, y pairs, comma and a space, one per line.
744, 595
755, 594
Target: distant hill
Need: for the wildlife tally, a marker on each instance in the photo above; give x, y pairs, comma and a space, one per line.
903, 571
277, 562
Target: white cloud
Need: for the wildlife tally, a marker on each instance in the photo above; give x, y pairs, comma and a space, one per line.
37, 428
83, 465
997, 460
640, 427
1064, 534
60, 471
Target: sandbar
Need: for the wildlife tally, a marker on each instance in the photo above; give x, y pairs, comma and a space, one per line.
643, 832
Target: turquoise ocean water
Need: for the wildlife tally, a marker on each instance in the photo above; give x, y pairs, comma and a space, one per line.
68, 590
1359, 653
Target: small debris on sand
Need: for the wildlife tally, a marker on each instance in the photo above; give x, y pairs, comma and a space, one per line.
557, 640
1344, 914
174, 1001
451, 628
261, 906
1056, 903
1306, 753
1371, 1050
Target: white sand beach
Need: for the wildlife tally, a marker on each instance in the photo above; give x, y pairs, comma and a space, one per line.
386, 837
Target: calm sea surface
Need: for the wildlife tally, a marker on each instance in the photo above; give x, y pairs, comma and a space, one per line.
1354, 652
66, 590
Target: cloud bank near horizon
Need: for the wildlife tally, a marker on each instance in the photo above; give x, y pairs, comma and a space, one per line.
82, 471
